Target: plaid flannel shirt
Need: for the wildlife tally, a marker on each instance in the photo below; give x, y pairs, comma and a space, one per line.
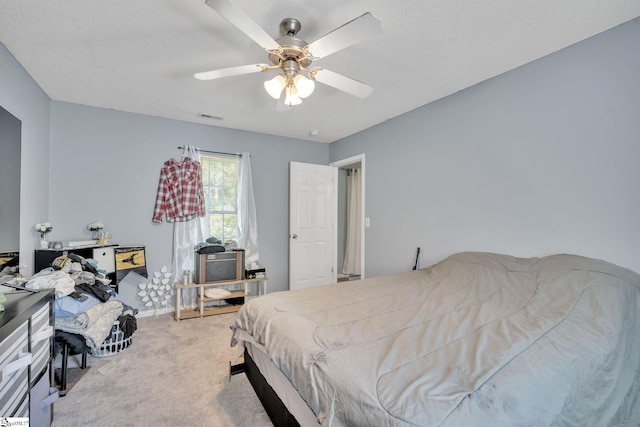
180, 192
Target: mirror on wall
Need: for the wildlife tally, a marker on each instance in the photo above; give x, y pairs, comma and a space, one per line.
10, 142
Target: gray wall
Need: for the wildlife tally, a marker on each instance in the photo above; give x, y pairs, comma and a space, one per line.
23, 98
539, 160
105, 165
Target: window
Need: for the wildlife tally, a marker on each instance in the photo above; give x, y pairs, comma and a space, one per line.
219, 182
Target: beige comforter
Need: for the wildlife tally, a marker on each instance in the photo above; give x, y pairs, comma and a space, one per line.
476, 339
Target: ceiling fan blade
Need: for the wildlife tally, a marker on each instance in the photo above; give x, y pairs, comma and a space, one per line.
237, 17
344, 83
361, 28
233, 71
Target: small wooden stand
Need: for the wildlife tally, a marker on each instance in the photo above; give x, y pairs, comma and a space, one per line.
202, 311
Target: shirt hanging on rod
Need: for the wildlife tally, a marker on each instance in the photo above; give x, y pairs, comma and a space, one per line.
180, 196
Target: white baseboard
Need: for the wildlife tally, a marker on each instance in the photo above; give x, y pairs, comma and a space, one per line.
150, 313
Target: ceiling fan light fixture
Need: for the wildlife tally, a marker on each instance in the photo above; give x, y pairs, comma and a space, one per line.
292, 98
304, 86
275, 86
293, 56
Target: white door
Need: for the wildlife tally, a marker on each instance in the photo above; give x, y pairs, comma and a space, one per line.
312, 261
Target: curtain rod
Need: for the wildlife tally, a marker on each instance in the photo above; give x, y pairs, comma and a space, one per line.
213, 152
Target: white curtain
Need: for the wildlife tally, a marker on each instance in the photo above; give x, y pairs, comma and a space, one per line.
185, 236
353, 250
247, 225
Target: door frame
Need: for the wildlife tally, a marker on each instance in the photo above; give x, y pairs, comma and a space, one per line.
358, 158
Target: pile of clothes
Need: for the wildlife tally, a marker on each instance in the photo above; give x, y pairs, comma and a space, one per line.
85, 304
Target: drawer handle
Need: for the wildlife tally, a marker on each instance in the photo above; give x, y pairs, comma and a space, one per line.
42, 334
24, 359
53, 396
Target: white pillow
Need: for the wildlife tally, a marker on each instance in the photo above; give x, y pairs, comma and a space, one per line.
216, 293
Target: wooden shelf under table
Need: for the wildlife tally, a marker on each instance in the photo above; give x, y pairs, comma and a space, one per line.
202, 310
190, 313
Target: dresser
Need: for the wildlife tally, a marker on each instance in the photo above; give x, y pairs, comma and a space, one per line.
104, 255
26, 363
115, 260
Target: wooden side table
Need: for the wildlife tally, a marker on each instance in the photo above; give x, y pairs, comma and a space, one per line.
241, 289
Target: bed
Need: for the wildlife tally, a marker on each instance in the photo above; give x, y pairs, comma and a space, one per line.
478, 339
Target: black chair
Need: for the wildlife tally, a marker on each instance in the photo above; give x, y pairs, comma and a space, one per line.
67, 344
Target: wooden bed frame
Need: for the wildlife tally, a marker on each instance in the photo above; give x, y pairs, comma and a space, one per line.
273, 405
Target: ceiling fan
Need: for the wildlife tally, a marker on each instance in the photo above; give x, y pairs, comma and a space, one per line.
293, 56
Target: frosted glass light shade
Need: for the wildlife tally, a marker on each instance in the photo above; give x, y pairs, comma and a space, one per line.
292, 97
304, 85
275, 85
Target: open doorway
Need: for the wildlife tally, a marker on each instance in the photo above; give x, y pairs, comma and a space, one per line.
350, 218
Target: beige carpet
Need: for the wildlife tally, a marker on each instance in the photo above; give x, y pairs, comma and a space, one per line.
173, 374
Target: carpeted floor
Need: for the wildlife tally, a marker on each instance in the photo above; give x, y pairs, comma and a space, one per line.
173, 374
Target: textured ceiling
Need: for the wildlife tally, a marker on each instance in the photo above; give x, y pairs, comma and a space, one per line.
140, 56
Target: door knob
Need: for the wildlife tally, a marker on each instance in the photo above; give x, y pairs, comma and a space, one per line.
294, 236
